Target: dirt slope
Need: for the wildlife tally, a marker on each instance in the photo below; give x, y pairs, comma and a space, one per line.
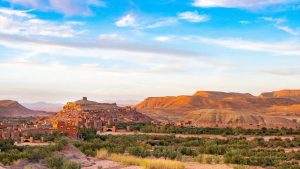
281, 103
227, 118
10, 108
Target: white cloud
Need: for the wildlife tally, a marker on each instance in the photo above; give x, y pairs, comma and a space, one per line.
290, 48
18, 13
23, 23
193, 16
162, 22
113, 37
130, 20
162, 38
126, 21
278, 23
245, 22
289, 30
274, 20
68, 7
239, 3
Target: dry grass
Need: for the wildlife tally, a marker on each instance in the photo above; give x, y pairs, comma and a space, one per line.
102, 154
147, 162
209, 159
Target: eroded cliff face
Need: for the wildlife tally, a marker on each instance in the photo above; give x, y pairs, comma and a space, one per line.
175, 107
227, 118
290, 94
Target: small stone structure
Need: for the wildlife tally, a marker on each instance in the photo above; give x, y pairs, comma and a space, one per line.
112, 129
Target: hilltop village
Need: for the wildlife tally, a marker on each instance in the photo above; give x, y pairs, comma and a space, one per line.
74, 115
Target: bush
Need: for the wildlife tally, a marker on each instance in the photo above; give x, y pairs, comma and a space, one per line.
188, 151
102, 154
166, 152
216, 159
200, 158
55, 162
147, 163
209, 160
239, 167
138, 151
60, 163
87, 133
71, 165
6, 145
36, 154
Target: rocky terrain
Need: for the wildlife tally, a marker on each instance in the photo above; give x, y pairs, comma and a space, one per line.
10, 108
278, 103
227, 118
290, 94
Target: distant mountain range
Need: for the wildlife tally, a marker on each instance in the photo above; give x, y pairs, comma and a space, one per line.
10, 108
43, 106
242, 107
204, 108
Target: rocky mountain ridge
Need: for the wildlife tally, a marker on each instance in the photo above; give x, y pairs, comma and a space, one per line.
277, 103
10, 108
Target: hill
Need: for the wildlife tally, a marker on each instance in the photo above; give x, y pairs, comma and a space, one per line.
43, 106
10, 108
227, 118
90, 113
290, 94
278, 103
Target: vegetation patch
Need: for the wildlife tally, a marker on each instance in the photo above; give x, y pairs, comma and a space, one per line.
147, 162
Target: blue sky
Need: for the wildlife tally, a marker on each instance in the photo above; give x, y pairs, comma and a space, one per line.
56, 51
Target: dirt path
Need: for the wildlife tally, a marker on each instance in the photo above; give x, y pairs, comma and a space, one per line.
106, 164
206, 166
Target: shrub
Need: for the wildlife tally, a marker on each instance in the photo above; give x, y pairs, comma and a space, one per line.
166, 153
71, 165
138, 151
216, 159
200, 158
36, 154
55, 162
188, 151
209, 159
102, 154
87, 133
239, 167
6, 145
147, 163
58, 162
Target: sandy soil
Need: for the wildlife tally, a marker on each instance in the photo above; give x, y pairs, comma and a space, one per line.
206, 166
71, 153
106, 164
24, 163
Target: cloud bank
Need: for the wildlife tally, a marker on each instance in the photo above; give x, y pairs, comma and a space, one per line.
67, 7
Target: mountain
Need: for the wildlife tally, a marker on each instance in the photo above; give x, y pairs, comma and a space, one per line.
43, 106
176, 107
290, 94
228, 118
10, 108
277, 103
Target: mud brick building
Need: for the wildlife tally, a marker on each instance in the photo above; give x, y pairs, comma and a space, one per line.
90, 114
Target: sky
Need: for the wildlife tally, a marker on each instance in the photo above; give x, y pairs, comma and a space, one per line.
127, 50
